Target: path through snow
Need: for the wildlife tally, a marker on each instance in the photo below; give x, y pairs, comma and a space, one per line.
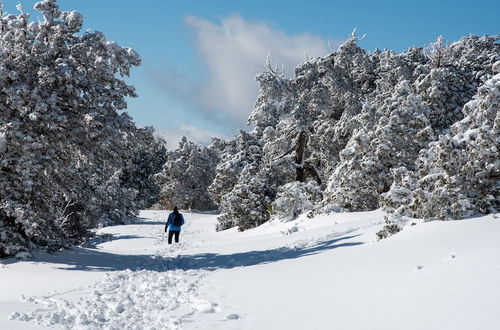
321, 273
153, 292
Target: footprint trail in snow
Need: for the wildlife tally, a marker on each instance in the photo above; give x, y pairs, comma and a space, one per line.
153, 294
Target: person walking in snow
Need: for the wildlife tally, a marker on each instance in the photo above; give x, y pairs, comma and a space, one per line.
174, 224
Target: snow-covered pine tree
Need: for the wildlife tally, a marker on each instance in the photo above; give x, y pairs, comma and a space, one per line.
186, 176
295, 198
452, 75
302, 123
312, 110
350, 122
235, 155
459, 174
439, 90
390, 135
148, 158
63, 143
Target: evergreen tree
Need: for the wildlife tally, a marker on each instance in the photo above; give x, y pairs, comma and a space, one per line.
186, 176
458, 175
346, 126
390, 135
63, 142
235, 155
148, 159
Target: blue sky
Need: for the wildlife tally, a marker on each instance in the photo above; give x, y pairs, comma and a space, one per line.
200, 57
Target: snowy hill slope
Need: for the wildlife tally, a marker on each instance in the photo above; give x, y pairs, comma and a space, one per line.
322, 273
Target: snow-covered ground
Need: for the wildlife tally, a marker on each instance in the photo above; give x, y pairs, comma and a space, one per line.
323, 273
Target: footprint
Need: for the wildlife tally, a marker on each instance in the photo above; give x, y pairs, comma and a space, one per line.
232, 317
419, 267
451, 257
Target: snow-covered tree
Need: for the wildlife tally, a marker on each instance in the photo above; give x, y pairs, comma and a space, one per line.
458, 175
298, 122
295, 198
249, 203
438, 53
394, 127
390, 135
63, 143
237, 153
148, 159
309, 114
453, 75
348, 123
186, 176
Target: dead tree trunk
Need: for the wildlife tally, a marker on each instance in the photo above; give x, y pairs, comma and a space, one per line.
304, 168
312, 171
300, 148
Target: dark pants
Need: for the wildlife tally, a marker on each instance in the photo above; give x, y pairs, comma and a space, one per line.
172, 233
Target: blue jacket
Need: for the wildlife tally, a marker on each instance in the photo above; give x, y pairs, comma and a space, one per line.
170, 221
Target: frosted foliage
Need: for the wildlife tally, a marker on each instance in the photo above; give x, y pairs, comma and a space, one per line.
458, 175
350, 122
64, 146
319, 101
425, 100
185, 177
248, 203
238, 188
445, 91
237, 154
293, 120
245, 206
147, 160
438, 53
391, 134
294, 199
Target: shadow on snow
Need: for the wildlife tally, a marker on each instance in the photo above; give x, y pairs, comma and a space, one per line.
87, 259
211, 261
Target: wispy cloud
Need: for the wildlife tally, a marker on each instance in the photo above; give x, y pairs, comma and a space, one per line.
234, 51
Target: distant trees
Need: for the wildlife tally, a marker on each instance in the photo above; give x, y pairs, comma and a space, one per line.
148, 158
186, 175
67, 156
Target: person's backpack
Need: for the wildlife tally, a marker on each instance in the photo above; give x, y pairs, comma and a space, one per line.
177, 220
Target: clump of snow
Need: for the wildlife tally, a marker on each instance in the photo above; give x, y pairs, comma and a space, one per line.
496, 66
290, 230
2, 141
74, 20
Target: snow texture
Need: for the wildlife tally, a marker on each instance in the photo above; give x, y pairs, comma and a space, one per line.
131, 279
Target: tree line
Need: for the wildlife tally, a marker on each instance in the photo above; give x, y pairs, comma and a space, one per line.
414, 133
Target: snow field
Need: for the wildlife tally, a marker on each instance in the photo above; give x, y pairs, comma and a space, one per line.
321, 273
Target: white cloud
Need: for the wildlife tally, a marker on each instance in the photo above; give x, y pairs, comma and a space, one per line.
234, 51
192, 133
